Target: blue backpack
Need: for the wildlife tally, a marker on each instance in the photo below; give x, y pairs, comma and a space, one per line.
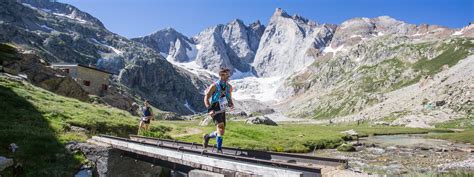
218, 92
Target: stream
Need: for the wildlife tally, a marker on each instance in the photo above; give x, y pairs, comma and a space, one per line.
406, 154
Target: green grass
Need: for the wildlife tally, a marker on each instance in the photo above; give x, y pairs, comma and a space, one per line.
39, 121
451, 55
465, 136
285, 137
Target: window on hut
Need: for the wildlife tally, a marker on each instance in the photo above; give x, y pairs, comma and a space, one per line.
87, 83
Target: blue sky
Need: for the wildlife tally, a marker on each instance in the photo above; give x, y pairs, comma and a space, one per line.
133, 18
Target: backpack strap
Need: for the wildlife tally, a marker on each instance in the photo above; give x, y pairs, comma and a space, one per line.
218, 92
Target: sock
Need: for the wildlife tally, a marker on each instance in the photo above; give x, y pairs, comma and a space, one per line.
213, 134
219, 140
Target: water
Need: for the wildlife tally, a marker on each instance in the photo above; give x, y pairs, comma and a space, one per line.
84, 173
414, 154
409, 141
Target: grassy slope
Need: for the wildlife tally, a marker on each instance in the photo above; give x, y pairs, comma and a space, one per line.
39, 121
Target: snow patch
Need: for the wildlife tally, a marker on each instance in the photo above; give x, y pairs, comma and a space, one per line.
29, 6
333, 50
47, 27
46, 10
186, 104
71, 17
417, 34
263, 89
458, 33
191, 66
199, 47
116, 51
119, 52
240, 75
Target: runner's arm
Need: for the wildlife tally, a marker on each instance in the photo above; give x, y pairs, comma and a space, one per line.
209, 93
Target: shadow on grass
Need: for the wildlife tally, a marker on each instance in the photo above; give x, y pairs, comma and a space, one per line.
40, 152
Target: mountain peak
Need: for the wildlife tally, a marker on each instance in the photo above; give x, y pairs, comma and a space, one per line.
257, 22
279, 12
237, 22
169, 29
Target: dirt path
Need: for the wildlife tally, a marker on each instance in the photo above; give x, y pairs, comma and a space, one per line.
189, 131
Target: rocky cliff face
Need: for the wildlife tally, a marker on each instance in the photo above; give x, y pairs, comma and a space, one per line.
169, 42
233, 46
162, 85
61, 33
290, 43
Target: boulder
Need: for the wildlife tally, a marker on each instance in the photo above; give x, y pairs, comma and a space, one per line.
5, 163
346, 148
261, 120
350, 132
263, 111
171, 116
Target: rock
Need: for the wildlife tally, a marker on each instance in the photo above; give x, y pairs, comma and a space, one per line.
440, 103
381, 123
262, 112
391, 148
97, 155
171, 116
169, 42
359, 148
350, 132
232, 45
5, 163
206, 121
376, 150
346, 148
240, 114
13, 147
167, 88
79, 129
281, 44
261, 120
424, 148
